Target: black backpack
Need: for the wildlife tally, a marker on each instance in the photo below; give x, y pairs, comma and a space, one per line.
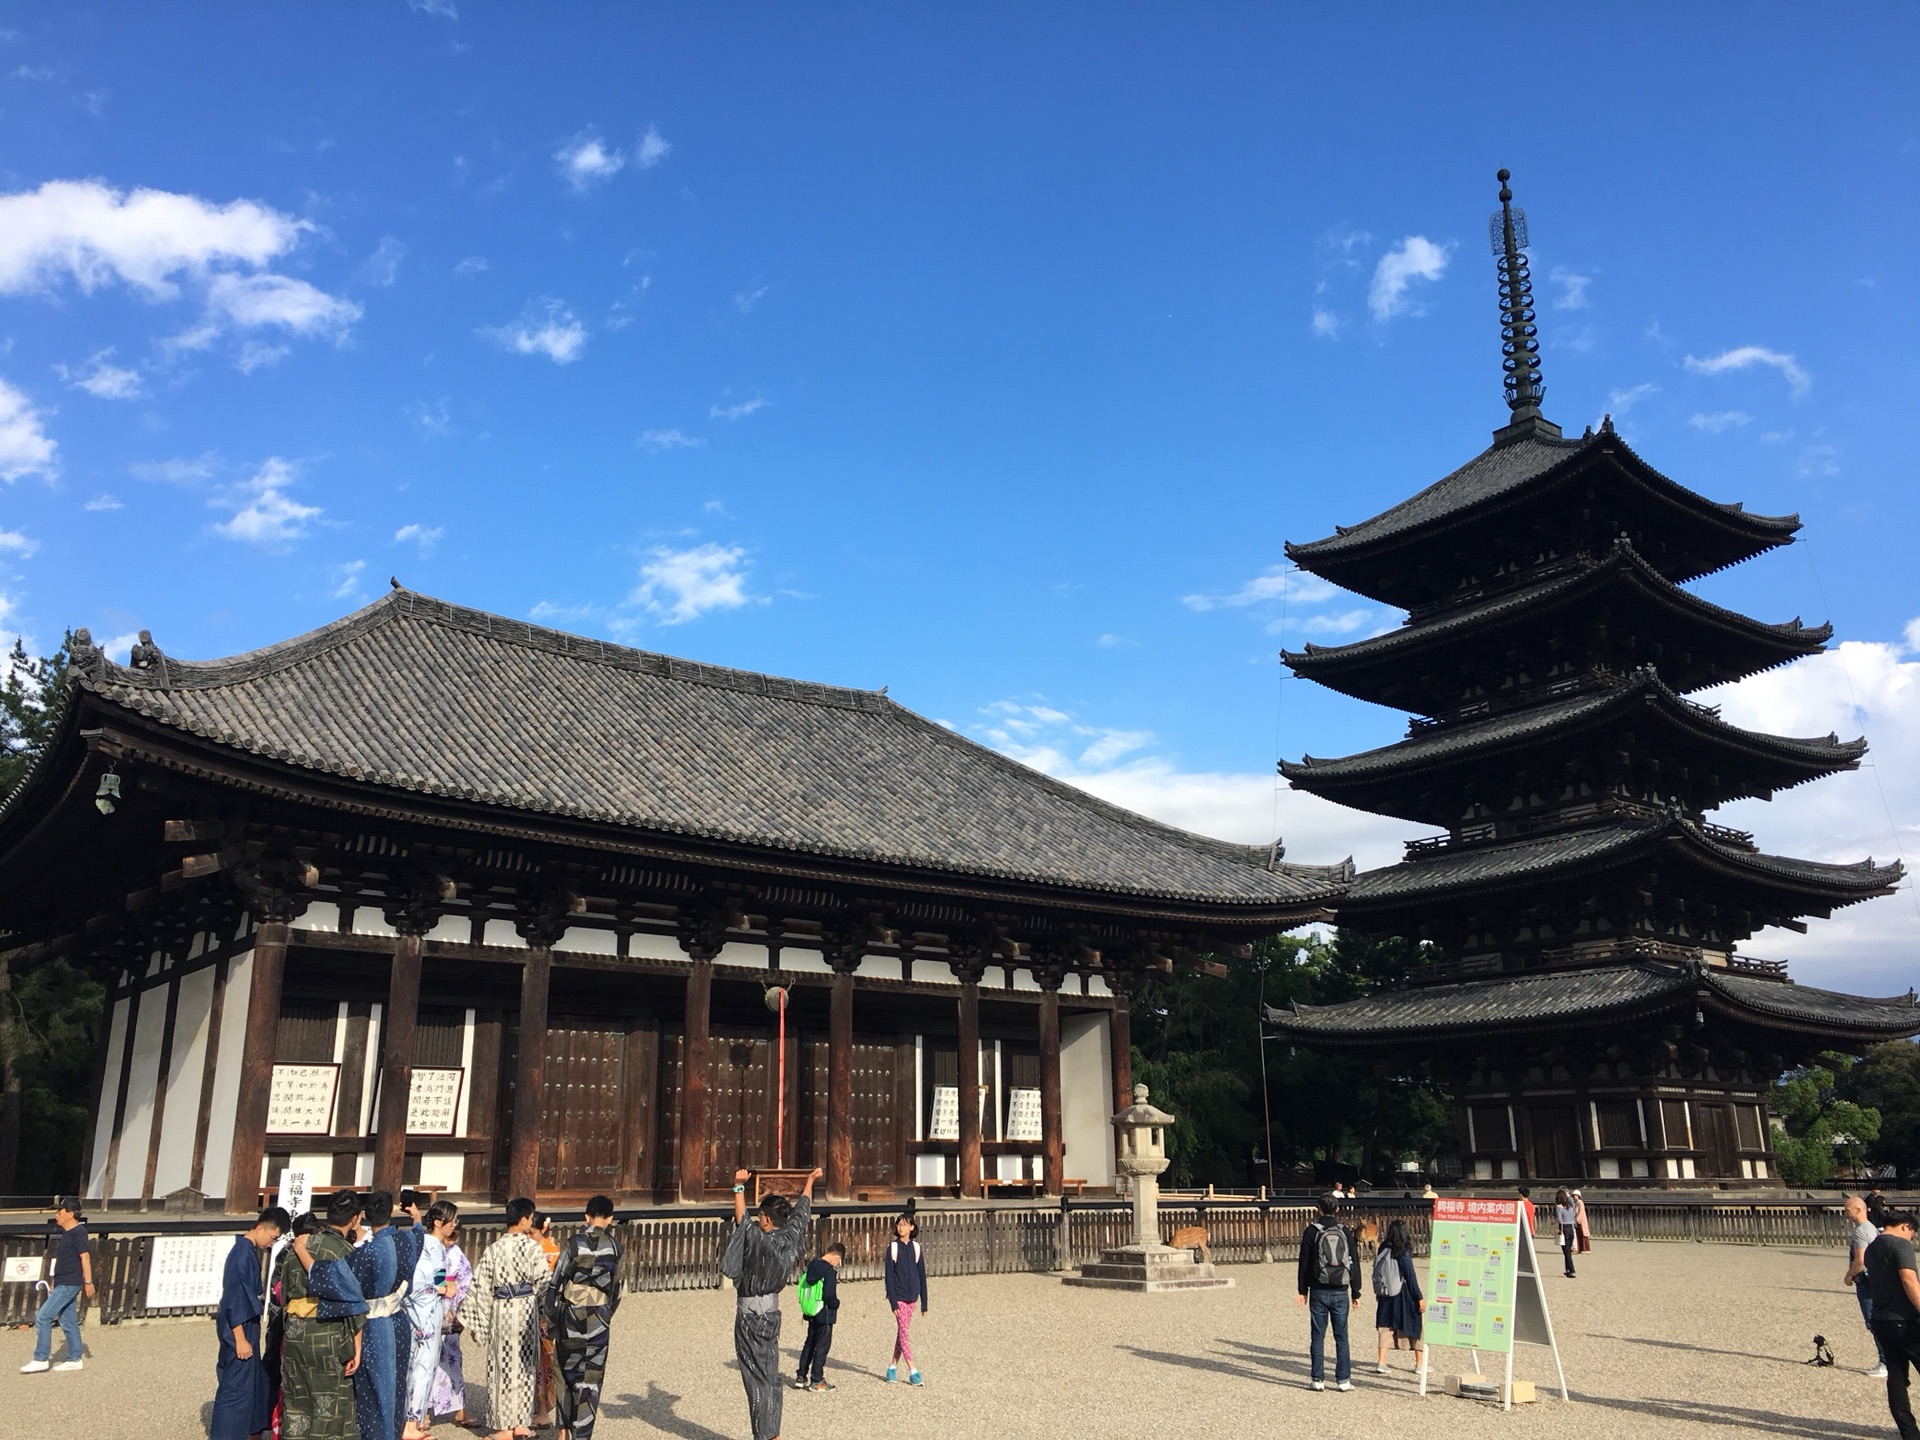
1333, 1258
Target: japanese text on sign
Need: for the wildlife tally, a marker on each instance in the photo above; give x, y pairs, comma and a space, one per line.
301, 1100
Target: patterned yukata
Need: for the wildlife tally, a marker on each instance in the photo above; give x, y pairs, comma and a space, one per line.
426, 1309
579, 1309
760, 1263
376, 1383
408, 1241
503, 1315
449, 1374
316, 1394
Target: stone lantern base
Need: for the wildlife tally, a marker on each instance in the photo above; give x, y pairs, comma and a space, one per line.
1148, 1269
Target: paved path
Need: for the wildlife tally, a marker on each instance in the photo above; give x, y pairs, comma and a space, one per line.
1674, 1340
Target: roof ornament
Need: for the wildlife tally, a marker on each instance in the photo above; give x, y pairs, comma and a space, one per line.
1519, 336
83, 656
147, 658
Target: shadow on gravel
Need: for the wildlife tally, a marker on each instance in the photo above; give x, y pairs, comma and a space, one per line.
1238, 1367
1696, 1349
656, 1408
1761, 1422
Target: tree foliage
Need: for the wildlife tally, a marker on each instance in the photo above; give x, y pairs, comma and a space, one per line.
1824, 1127
1197, 1045
30, 701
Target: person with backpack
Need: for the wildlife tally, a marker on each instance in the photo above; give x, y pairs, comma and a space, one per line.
819, 1291
1398, 1306
1329, 1288
906, 1288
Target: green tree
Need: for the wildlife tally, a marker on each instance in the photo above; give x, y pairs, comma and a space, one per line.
30, 702
1823, 1127
1888, 1080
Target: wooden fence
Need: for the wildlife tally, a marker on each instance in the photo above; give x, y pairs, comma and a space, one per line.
668, 1250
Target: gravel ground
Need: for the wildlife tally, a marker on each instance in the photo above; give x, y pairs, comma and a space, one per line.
1658, 1340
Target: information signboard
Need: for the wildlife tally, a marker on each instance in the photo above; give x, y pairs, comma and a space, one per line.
433, 1100
1023, 1115
1484, 1289
945, 1124
300, 1101
184, 1271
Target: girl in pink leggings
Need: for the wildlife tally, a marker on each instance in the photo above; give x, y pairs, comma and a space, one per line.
906, 1288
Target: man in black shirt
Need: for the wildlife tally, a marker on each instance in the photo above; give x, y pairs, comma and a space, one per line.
1896, 1311
72, 1277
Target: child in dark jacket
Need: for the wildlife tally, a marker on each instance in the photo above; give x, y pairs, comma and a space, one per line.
906, 1288
824, 1271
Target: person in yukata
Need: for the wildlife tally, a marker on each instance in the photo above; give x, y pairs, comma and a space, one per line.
449, 1371
502, 1313
376, 1265
579, 1313
759, 1259
426, 1312
243, 1401
325, 1313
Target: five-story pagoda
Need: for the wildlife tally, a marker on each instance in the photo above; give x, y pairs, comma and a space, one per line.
1591, 1017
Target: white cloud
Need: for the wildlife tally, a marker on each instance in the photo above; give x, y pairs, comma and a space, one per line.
254, 301
101, 380
382, 267
1414, 258
1818, 462
1326, 324
737, 412
1277, 582
681, 585
25, 446
256, 355
432, 416
426, 537
13, 542
548, 329
264, 514
1619, 402
1720, 420
586, 160
1573, 288
103, 502
346, 579
651, 150
445, 9
1745, 356
670, 440
745, 300
181, 470
1345, 623
1859, 687
472, 265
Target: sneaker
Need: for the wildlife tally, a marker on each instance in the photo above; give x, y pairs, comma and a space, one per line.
913, 1377
823, 1385
1878, 1372
1379, 1369
66, 1365
1316, 1384
1344, 1385
801, 1383
34, 1367
893, 1373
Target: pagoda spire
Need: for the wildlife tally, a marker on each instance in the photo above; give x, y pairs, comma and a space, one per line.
1519, 336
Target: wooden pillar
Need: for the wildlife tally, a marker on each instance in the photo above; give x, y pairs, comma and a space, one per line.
839, 1165
969, 976
396, 1057
1052, 1155
692, 1169
530, 1068
1120, 1041
256, 1062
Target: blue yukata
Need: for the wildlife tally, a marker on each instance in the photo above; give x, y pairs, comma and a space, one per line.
243, 1403
376, 1387
408, 1241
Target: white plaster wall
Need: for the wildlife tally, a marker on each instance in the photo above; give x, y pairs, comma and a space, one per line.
448, 1171
183, 1082
589, 940
805, 962
645, 945
1097, 985
933, 972
751, 957
879, 967
109, 1087
319, 915
1086, 1097
231, 1044
501, 932
456, 928
1023, 980
993, 977
367, 920
136, 1122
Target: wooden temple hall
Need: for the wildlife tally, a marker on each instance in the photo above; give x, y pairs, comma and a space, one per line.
432, 896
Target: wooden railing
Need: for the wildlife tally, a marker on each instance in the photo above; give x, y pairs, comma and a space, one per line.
678, 1250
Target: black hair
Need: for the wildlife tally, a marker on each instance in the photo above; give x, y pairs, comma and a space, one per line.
307, 1223
342, 1206
836, 1248
776, 1208
441, 1211
913, 1225
1525, 1191
273, 1215
541, 1219
599, 1207
1398, 1240
1891, 1218
1329, 1205
518, 1209
379, 1207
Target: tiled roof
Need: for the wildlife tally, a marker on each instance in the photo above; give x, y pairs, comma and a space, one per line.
1586, 996
1503, 469
413, 694
1536, 857
1788, 639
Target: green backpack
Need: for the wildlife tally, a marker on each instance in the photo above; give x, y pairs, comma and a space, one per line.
812, 1296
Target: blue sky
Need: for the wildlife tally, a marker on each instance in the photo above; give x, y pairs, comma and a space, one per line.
988, 353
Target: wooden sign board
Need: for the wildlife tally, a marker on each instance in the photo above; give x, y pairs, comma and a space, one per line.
301, 1100
1023, 1115
945, 1124
433, 1100
1484, 1290
185, 1271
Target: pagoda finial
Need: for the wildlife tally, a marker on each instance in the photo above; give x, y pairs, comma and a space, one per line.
1519, 337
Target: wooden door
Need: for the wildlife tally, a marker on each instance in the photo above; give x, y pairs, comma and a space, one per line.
740, 1100
1556, 1145
1715, 1126
580, 1105
874, 1135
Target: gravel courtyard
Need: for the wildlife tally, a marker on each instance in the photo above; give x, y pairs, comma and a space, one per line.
1658, 1340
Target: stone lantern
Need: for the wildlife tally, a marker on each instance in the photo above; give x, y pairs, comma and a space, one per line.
1146, 1265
